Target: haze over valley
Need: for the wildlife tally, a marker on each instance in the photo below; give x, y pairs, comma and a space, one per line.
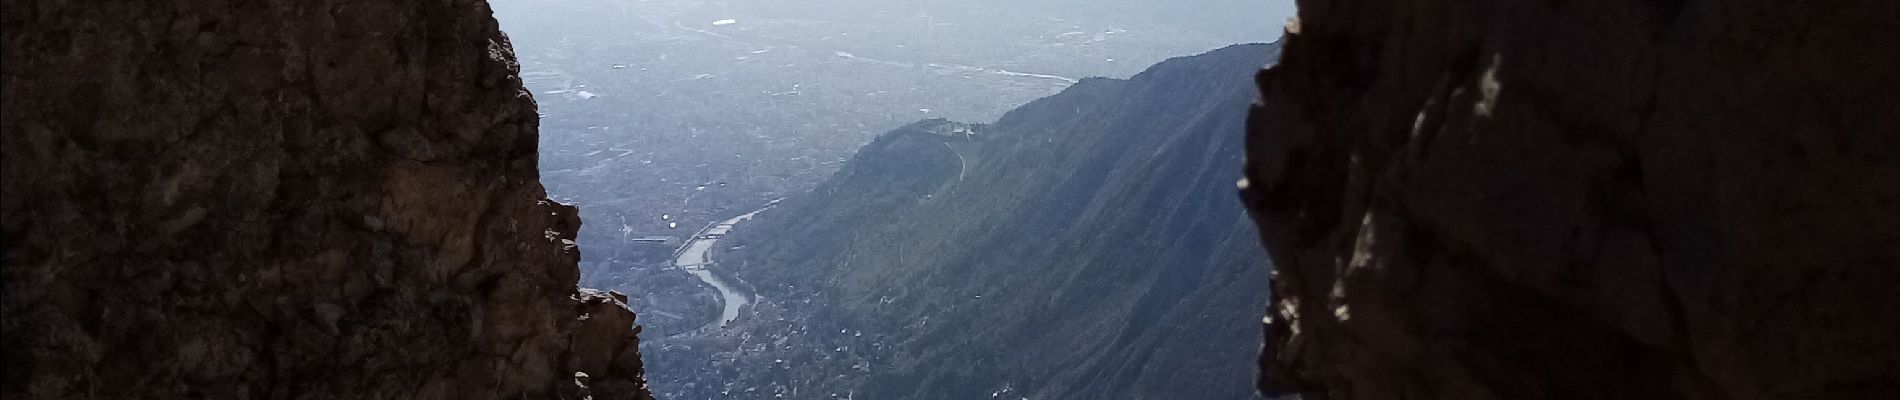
665, 120
661, 116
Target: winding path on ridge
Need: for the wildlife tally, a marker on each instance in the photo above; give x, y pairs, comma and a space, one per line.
963, 166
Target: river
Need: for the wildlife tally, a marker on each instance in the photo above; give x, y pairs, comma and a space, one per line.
698, 255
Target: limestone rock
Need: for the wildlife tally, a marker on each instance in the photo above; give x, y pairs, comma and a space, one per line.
316, 200
1482, 199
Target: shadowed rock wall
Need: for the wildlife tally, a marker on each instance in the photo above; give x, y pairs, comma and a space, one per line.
262, 199
1582, 200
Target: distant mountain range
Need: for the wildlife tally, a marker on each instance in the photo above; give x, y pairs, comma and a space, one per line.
1085, 246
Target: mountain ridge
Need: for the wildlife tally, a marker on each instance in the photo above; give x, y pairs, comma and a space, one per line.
1090, 193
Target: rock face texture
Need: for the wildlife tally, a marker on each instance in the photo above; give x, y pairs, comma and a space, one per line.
1582, 200
311, 200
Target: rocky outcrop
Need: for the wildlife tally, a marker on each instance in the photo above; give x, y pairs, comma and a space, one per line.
1582, 200
316, 200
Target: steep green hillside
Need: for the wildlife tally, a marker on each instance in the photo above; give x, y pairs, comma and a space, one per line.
1085, 246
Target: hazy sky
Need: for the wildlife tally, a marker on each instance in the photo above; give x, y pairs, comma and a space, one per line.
1258, 20
1277, 13
1241, 20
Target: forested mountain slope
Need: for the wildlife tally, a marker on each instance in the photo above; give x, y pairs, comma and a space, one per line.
1085, 246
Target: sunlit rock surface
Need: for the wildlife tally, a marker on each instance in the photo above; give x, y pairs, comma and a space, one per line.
1582, 200
319, 199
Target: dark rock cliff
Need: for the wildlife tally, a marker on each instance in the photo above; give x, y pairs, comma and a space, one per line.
318, 199
1582, 200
